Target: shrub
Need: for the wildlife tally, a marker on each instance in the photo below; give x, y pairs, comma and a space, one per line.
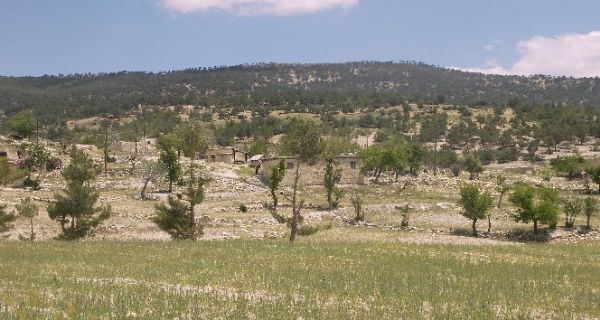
572, 207
535, 204
590, 208
28, 210
405, 211
475, 204
357, 203
472, 165
571, 166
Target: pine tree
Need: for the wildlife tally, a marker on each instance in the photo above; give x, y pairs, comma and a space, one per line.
274, 180
168, 158
27, 209
178, 218
75, 210
332, 177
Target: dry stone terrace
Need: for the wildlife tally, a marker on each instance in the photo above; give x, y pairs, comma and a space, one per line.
432, 200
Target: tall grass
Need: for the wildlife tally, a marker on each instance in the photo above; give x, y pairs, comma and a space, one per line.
273, 279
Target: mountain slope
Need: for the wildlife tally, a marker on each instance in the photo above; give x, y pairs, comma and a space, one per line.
312, 84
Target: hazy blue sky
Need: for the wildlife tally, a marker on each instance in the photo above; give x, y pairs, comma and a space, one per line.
505, 36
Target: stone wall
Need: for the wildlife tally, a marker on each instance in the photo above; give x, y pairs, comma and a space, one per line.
9, 152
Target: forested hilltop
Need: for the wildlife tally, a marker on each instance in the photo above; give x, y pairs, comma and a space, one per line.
344, 85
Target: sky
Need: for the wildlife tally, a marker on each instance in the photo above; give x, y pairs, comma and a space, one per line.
526, 37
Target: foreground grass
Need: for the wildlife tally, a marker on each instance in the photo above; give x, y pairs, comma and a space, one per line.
263, 279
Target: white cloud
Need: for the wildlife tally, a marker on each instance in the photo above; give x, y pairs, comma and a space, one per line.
257, 7
491, 67
576, 55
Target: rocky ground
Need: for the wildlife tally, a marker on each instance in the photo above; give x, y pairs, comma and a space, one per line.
432, 202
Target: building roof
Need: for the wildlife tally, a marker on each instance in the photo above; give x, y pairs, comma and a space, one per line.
257, 157
224, 150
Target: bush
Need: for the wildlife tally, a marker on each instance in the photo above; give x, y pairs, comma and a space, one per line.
487, 156
476, 204
507, 155
456, 170
572, 207
447, 158
571, 166
53, 164
307, 230
243, 208
30, 183
357, 203
535, 204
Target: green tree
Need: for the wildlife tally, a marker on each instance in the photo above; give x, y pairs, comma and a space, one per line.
33, 158
5, 219
416, 154
332, 177
375, 159
472, 165
535, 204
27, 209
572, 166
178, 217
168, 159
573, 207
192, 143
335, 146
274, 180
594, 174
106, 125
150, 171
590, 209
304, 142
259, 146
170, 141
23, 123
432, 129
502, 187
75, 210
174, 219
476, 204
357, 204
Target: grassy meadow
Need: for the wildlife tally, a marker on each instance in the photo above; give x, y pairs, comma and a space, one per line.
314, 278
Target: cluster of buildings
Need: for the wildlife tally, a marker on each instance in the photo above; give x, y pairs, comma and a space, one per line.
349, 164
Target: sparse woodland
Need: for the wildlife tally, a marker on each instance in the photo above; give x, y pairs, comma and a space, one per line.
460, 170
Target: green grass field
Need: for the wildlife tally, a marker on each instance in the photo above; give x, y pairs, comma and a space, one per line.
310, 279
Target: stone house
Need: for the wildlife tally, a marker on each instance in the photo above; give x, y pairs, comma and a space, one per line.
226, 155
9, 151
145, 146
255, 161
350, 164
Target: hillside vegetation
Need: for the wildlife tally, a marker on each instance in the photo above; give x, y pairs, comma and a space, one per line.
345, 85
